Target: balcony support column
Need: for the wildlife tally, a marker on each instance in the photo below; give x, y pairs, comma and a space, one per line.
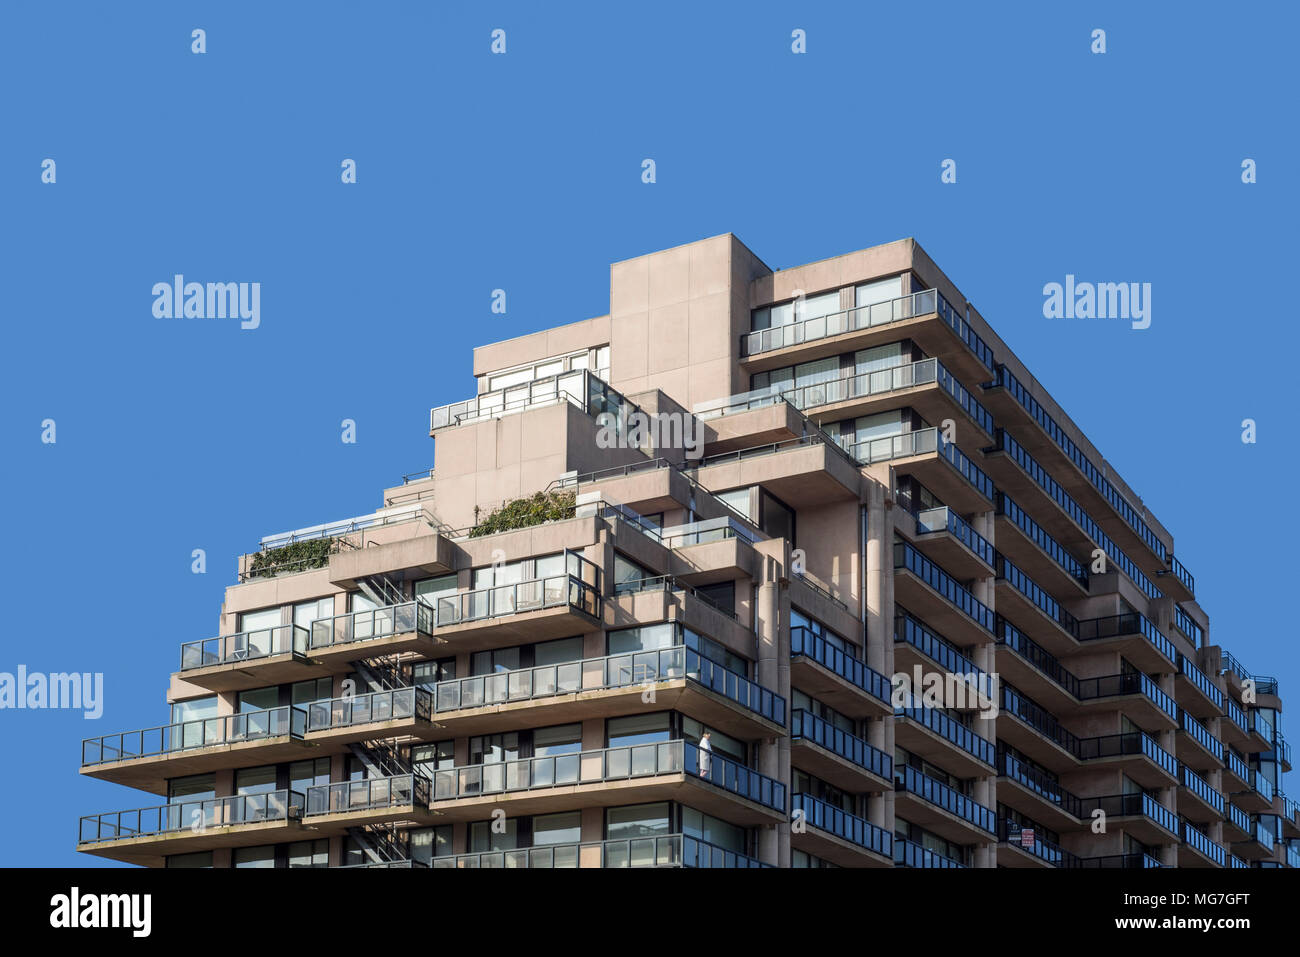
772, 637
878, 596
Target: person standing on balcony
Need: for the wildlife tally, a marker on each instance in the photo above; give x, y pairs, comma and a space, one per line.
706, 755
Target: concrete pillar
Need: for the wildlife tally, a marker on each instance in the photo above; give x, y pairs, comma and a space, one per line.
772, 640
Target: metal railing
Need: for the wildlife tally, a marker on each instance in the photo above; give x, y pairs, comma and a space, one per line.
1034, 653
803, 643
401, 704
1127, 683
1194, 838
953, 731
1201, 680
1132, 805
482, 604
1128, 623
1011, 832
807, 726
245, 646
905, 445
907, 557
398, 791
395, 515
1141, 860
826, 817
631, 669
1041, 783
579, 387
942, 796
1128, 743
1007, 508
194, 816
1036, 595
911, 854
285, 722
412, 617
669, 583
1201, 788
909, 630
1038, 718
608, 764
1200, 733
944, 519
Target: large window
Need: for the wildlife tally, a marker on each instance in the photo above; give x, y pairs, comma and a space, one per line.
195, 787
255, 780
882, 290
628, 575
430, 842
563, 828
637, 821
823, 304
307, 612
310, 853
639, 729
257, 620
431, 589
263, 856
259, 699
307, 774
714, 831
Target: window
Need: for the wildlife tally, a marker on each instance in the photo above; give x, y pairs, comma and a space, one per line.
882, 290
637, 821
308, 774
796, 310
561, 739
439, 756
628, 575
492, 662
563, 828
494, 748
557, 652
647, 638
197, 859
799, 620
307, 612
257, 620
775, 518
263, 856
305, 693
738, 500
693, 730
721, 594
714, 831
196, 716
638, 729
708, 648
882, 357
195, 787
484, 837
258, 699
255, 780
310, 853
429, 673
431, 589
430, 842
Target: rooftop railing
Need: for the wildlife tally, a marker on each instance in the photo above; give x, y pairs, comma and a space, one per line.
182, 736
197, 816
245, 646
396, 515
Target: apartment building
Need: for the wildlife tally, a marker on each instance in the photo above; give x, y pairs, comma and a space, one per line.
578, 642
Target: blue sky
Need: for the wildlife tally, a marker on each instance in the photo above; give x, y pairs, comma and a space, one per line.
522, 172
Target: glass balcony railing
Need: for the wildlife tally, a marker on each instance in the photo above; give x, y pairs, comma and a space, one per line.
912, 632
608, 764
1199, 733
1238, 817
1201, 680
1132, 805
1127, 861
402, 704
1260, 725
1028, 649
805, 644
1201, 788
188, 735
1036, 595
1042, 784
1231, 663
484, 604
1262, 835
849, 827
1129, 623
1038, 718
908, 558
1042, 478
944, 797
1011, 832
1094, 475
813, 328
1235, 861
1046, 543
1237, 716
944, 519
1183, 622
709, 530
193, 816
669, 583
412, 617
1130, 743
1194, 838
398, 791
1128, 683
1183, 575
1236, 764
580, 388
1261, 785
911, 854
952, 731
809, 727
923, 442
245, 646
636, 669
667, 850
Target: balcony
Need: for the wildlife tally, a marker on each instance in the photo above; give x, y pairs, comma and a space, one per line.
333, 808
667, 850
947, 538
580, 388
249, 659
536, 610
1126, 861
1037, 613
911, 854
1258, 797
1258, 846
1197, 850
146, 835
939, 465
838, 757
376, 632
1015, 851
402, 712
1195, 746
830, 675
1025, 542
145, 759
940, 809
1197, 801
1133, 636
1236, 774
574, 691
1195, 691
1236, 730
1030, 667
1140, 815
916, 646
1035, 732
634, 774
925, 317
1028, 790
835, 835
806, 471
1137, 695
923, 586
1261, 729
937, 736
1136, 754
1236, 823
